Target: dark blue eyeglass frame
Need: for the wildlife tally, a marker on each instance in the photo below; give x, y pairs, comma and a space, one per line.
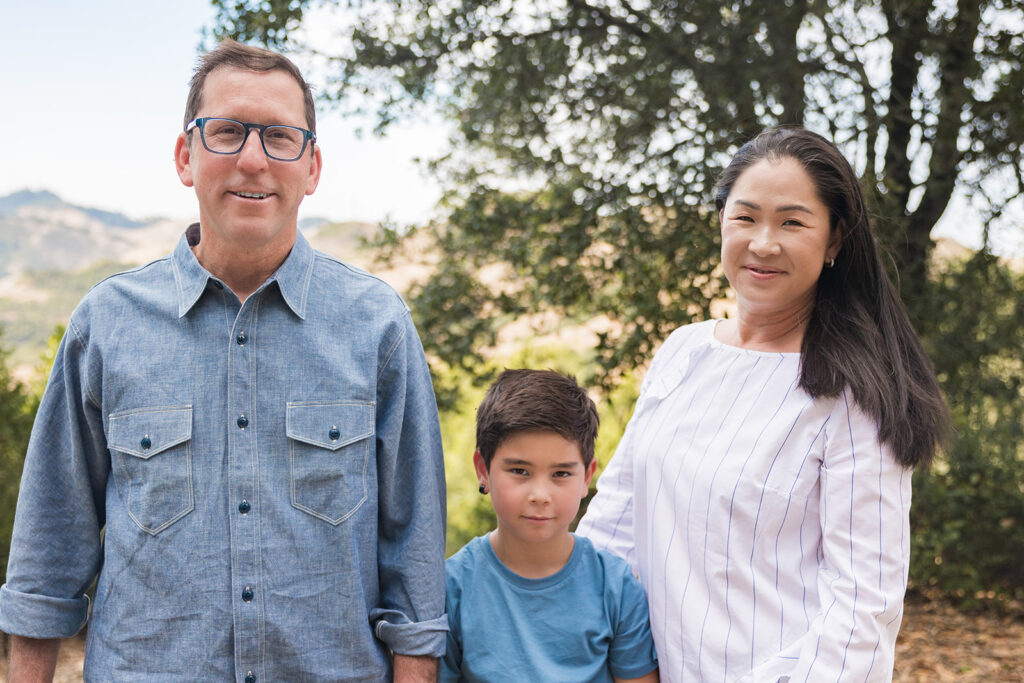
200, 123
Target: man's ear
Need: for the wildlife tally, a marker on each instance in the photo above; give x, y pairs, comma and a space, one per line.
315, 167
183, 159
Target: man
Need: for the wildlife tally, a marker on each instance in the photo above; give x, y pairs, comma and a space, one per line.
239, 442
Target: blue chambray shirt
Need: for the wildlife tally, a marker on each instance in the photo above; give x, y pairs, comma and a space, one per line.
269, 477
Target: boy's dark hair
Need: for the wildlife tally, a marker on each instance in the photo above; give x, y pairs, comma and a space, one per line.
535, 401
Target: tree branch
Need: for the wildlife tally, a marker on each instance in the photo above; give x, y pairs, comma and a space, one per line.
958, 62
907, 30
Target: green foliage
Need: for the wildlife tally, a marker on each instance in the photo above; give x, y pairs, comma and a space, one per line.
268, 21
452, 298
469, 513
17, 410
968, 514
572, 260
587, 135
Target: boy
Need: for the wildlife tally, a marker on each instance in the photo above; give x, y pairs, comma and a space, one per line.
531, 601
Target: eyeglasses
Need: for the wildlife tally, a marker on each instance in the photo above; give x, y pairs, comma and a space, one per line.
227, 136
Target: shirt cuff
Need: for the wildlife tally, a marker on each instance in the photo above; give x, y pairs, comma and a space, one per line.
412, 638
41, 616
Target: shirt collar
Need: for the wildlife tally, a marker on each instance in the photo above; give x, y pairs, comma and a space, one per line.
295, 274
293, 277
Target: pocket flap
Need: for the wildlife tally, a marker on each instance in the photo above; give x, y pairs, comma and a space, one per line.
329, 424
144, 432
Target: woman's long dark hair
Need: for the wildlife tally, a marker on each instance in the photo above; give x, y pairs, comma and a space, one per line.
858, 335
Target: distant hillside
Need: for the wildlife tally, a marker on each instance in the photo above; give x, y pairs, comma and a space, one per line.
40, 231
52, 252
27, 198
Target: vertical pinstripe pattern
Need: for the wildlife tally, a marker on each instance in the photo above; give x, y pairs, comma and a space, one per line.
769, 529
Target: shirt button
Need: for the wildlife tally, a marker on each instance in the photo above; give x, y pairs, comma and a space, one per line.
244, 507
250, 677
241, 339
242, 421
247, 594
334, 433
145, 443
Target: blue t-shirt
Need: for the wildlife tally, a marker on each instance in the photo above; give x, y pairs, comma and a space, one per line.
587, 622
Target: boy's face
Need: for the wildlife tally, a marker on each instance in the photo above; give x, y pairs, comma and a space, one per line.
536, 481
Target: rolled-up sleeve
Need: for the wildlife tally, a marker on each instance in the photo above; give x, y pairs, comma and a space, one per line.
410, 617
55, 547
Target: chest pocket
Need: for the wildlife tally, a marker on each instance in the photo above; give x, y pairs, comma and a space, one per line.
151, 457
330, 444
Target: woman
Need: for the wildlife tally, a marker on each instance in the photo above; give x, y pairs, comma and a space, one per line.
762, 487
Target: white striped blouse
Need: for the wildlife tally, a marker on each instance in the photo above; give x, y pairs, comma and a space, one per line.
769, 529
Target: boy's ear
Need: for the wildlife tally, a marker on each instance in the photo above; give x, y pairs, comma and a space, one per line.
589, 474
481, 467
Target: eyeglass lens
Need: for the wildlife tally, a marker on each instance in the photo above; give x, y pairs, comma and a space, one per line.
225, 136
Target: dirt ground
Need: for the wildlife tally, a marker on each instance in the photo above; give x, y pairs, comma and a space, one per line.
936, 644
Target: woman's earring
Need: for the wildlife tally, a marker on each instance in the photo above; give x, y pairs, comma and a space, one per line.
483, 489
830, 263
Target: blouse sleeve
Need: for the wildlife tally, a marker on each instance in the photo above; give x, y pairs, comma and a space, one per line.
865, 555
608, 522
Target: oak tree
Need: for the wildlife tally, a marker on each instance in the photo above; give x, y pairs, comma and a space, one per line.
587, 134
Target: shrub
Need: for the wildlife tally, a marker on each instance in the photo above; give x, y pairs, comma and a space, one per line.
968, 513
17, 410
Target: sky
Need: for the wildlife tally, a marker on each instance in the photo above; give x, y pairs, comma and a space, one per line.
94, 95
93, 99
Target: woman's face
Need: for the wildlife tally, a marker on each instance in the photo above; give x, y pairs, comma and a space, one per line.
776, 237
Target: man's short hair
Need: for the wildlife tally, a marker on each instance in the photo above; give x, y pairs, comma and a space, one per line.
535, 401
232, 54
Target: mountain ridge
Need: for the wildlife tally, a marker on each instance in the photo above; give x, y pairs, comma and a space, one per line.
21, 199
53, 251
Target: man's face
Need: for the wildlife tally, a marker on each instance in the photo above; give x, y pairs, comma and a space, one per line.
248, 203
